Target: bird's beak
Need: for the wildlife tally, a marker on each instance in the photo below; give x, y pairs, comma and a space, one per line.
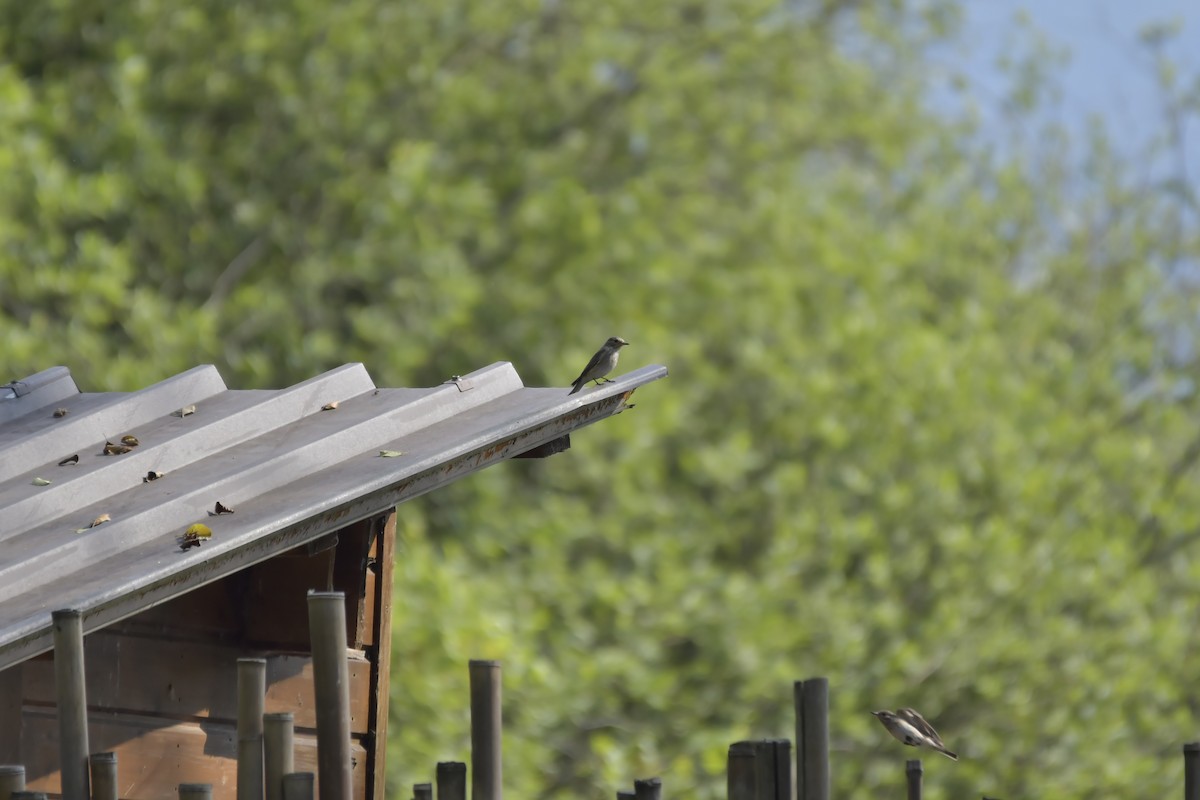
876, 713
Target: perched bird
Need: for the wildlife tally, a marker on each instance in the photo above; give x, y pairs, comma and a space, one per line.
604, 362
911, 728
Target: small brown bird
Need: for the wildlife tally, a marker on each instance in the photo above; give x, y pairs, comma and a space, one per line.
911, 728
604, 362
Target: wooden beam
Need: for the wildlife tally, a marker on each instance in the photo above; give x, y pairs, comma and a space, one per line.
380, 574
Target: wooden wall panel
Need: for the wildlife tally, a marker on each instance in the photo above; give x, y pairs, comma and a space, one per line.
155, 756
184, 680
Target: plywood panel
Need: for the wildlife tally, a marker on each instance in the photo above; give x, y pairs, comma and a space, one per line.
193, 680
153, 758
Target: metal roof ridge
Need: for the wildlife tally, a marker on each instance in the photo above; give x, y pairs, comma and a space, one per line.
125, 412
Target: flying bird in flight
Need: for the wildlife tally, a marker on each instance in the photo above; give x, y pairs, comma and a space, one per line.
911, 728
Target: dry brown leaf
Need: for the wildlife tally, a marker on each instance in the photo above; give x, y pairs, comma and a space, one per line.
330, 406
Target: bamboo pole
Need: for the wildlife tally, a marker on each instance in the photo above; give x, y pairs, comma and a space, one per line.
251, 700
739, 771
12, 779
104, 776
422, 791
1191, 771
648, 789
195, 791
451, 780
279, 756
486, 731
811, 699
331, 679
298, 786
71, 696
913, 772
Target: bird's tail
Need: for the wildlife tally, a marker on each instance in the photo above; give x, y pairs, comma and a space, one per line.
947, 753
578, 385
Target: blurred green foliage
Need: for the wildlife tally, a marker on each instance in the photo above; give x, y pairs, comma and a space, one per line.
931, 425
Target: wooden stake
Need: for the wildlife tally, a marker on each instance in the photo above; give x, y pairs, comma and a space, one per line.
811, 699
12, 779
104, 776
1191, 771
331, 679
251, 696
648, 789
486, 731
279, 753
739, 771
913, 772
298, 786
452, 780
71, 695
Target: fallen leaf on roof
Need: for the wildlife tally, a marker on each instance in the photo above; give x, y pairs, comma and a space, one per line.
100, 520
69, 460
41, 482
330, 406
390, 453
130, 440
152, 476
220, 509
61, 412
186, 410
111, 449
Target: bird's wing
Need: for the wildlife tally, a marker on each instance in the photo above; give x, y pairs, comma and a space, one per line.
911, 716
591, 364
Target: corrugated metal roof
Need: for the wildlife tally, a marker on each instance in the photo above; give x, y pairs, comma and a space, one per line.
291, 472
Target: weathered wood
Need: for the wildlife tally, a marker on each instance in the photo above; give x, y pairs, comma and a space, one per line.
764, 771
486, 731
380, 576
327, 625
784, 779
740, 771
251, 699
12, 779
195, 791
1191, 771
298, 786
104, 776
154, 753
11, 690
811, 699
422, 791
912, 772
191, 680
350, 578
648, 789
72, 703
278, 752
452, 780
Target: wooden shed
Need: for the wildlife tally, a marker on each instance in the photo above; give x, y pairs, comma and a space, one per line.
313, 475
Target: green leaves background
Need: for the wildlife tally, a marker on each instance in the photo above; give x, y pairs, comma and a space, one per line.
930, 425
